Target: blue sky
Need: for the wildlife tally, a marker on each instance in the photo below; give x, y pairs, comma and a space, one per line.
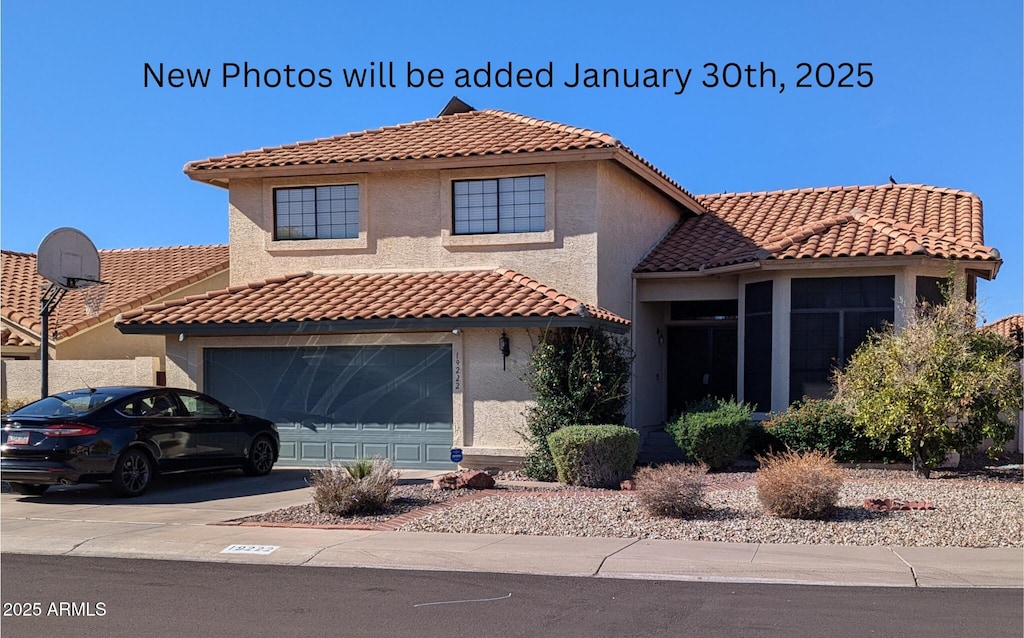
85, 144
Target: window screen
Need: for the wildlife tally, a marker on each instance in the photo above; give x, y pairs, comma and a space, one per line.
830, 317
757, 345
504, 205
317, 212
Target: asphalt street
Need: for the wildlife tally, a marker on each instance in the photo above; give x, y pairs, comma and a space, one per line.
127, 597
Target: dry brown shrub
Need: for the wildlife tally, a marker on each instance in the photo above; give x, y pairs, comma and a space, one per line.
359, 488
794, 485
671, 490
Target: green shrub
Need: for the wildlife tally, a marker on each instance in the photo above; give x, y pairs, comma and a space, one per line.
577, 376
761, 441
594, 455
822, 425
713, 434
671, 490
794, 485
361, 487
936, 385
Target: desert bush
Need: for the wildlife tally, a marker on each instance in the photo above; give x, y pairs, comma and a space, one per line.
9, 405
936, 385
359, 488
795, 485
712, 433
822, 425
671, 490
577, 376
594, 455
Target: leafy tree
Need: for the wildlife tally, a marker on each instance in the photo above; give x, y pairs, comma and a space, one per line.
935, 386
578, 377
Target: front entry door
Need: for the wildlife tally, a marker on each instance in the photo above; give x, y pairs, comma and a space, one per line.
701, 362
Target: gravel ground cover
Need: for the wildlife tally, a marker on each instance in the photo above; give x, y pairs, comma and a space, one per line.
972, 509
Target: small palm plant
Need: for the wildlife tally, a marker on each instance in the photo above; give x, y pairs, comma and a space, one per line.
359, 469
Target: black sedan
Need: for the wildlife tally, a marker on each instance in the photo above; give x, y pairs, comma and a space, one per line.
128, 435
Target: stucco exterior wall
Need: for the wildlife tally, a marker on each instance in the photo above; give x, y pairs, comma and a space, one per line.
632, 219
22, 379
406, 226
648, 385
496, 398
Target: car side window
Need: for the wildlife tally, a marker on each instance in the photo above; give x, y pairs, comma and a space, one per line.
198, 406
153, 405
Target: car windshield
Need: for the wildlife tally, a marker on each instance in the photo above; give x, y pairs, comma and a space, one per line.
67, 403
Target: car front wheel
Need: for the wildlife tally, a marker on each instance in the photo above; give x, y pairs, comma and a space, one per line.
132, 474
261, 457
29, 489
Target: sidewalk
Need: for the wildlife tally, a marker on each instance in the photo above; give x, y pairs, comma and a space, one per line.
179, 523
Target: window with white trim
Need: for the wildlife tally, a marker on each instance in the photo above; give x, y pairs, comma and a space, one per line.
317, 212
502, 205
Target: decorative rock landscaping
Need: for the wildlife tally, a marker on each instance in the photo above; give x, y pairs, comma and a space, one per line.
969, 511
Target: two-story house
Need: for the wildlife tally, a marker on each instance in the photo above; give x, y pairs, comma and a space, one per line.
388, 286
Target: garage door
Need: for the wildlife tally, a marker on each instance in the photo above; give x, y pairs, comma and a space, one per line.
344, 403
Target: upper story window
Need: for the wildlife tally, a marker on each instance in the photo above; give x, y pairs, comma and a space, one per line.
316, 212
502, 205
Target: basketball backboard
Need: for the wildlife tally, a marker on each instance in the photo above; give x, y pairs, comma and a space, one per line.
68, 258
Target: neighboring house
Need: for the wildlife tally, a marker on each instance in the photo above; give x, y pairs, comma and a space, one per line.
375, 276
134, 276
1011, 327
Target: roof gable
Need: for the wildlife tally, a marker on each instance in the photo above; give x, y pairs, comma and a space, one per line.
852, 221
136, 276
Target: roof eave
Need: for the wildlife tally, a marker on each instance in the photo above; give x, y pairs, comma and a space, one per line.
349, 326
986, 269
659, 181
222, 176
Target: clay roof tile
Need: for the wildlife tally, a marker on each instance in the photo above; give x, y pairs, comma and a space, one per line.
135, 276
836, 221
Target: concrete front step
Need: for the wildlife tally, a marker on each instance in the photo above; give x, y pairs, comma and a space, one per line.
658, 446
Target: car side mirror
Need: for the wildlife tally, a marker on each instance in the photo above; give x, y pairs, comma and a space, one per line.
232, 413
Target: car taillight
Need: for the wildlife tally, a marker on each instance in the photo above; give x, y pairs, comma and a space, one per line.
69, 429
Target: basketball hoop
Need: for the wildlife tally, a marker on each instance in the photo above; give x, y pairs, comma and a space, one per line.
67, 259
94, 296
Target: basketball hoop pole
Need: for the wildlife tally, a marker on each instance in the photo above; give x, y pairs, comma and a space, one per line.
47, 303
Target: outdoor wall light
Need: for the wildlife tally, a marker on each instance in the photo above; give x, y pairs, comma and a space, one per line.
503, 346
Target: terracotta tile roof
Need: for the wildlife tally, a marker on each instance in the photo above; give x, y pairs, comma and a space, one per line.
471, 134
346, 297
14, 339
1006, 326
136, 276
850, 221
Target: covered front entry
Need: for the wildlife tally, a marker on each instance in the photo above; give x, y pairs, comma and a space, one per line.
341, 403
